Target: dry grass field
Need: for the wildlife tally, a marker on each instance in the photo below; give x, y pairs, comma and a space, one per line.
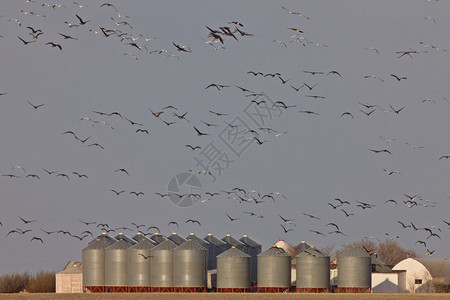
210, 296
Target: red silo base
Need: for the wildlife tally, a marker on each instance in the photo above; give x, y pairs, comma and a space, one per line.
313, 290
352, 289
116, 289
161, 289
139, 289
273, 289
94, 289
182, 289
233, 290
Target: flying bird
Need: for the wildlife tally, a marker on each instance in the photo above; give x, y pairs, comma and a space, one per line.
173, 223
81, 20
311, 216
398, 78
35, 106
193, 147
118, 193
27, 221
54, 45
193, 221
232, 219
199, 133
122, 170
286, 230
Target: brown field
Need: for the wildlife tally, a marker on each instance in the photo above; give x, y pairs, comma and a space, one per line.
210, 296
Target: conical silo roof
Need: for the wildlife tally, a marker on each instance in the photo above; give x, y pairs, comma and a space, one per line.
140, 236
142, 245
122, 236
354, 252
303, 245
274, 251
105, 239
158, 238
231, 241
174, 237
233, 252
311, 252
210, 238
190, 245
119, 245
96, 244
197, 239
249, 242
166, 245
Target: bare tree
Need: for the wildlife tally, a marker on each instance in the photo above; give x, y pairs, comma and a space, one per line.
388, 251
391, 253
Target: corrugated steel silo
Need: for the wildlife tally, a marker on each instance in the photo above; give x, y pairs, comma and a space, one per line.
354, 271
202, 243
178, 240
274, 270
252, 248
189, 267
139, 263
215, 248
93, 259
116, 264
162, 264
233, 271
313, 271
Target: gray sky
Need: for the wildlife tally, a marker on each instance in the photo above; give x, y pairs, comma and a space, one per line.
322, 156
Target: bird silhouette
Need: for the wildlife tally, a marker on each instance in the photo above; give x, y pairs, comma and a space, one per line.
27, 221
286, 230
35, 106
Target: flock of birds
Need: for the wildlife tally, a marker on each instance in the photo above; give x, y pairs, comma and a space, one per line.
174, 117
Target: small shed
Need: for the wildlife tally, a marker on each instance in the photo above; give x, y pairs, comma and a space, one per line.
70, 279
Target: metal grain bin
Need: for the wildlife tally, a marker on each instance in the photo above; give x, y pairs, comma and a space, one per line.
274, 269
116, 264
189, 265
354, 269
215, 248
178, 240
202, 243
232, 242
93, 258
252, 248
158, 238
162, 264
139, 263
233, 270
313, 271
